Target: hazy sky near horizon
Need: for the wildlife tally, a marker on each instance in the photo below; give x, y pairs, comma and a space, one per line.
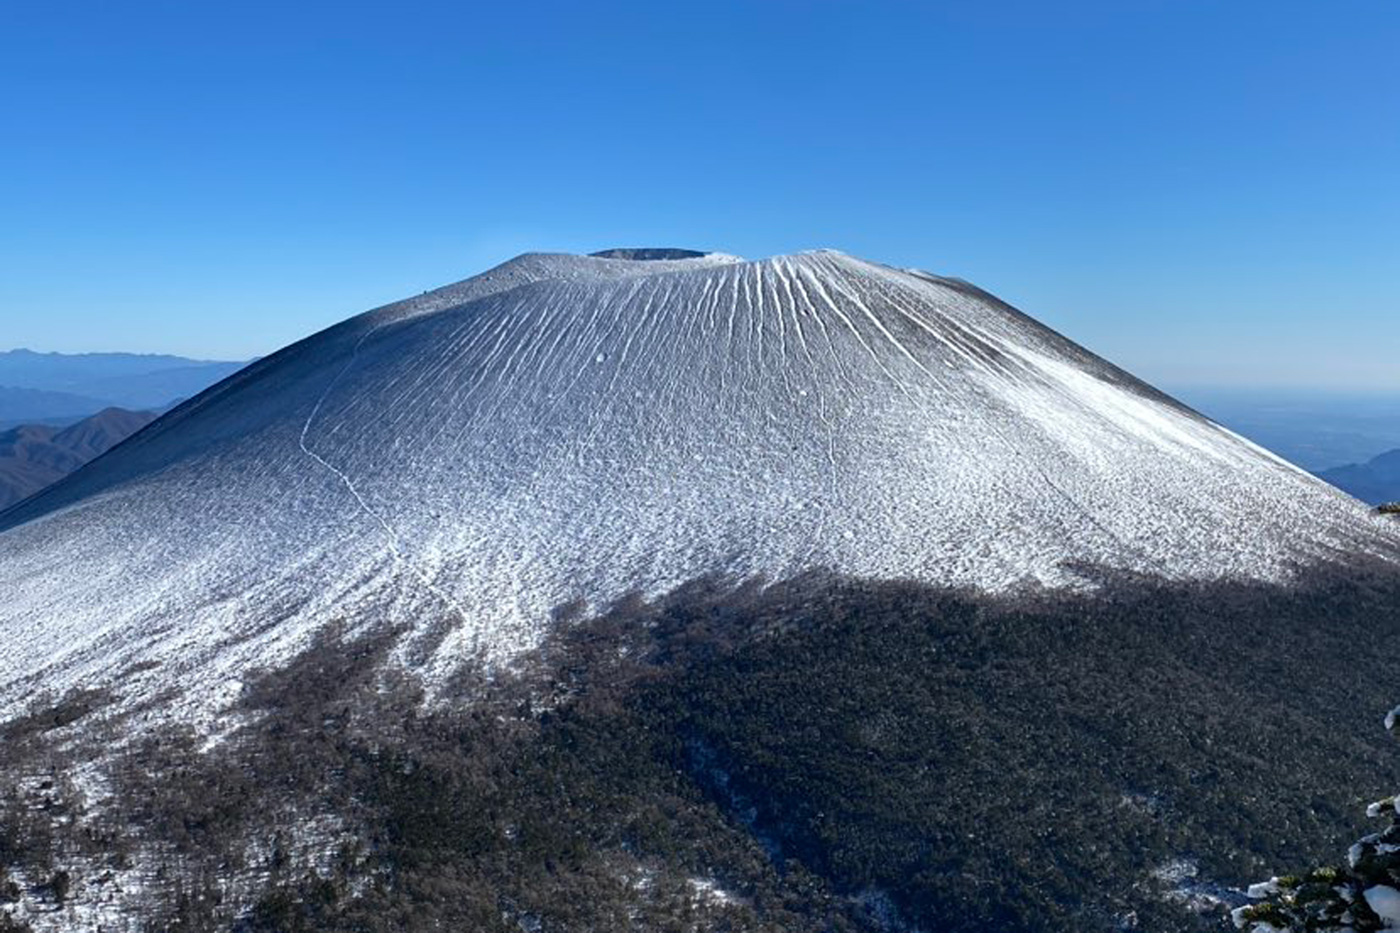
1203, 192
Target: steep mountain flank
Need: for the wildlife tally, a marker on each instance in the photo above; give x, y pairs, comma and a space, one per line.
569, 428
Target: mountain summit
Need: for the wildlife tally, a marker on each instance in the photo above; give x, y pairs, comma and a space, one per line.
566, 430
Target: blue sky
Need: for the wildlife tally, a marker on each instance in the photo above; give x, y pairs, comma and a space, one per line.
1204, 192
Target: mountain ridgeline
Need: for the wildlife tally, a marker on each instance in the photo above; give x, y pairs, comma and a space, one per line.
1376, 481
34, 456
59, 388
659, 589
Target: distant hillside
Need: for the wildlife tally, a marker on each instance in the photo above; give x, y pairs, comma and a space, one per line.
34, 455
58, 388
1375, 481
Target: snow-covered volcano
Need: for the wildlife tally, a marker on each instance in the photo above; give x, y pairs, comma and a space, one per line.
566, 428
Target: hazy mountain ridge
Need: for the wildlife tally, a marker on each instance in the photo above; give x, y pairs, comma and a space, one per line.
39, 387
1376, 481
35, 406
61, 371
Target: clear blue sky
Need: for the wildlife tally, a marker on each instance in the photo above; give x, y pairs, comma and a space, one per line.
1205, 192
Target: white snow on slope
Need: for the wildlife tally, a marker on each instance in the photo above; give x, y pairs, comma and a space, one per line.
563, 427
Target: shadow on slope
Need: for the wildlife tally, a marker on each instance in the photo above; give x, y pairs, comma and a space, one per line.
820, 754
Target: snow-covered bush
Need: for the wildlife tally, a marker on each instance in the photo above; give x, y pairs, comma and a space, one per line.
1362, 897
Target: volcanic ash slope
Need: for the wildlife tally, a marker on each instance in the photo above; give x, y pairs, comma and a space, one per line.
567, 428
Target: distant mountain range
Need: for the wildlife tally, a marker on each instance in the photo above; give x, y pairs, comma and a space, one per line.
59, 388
34, 455
1375, 481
